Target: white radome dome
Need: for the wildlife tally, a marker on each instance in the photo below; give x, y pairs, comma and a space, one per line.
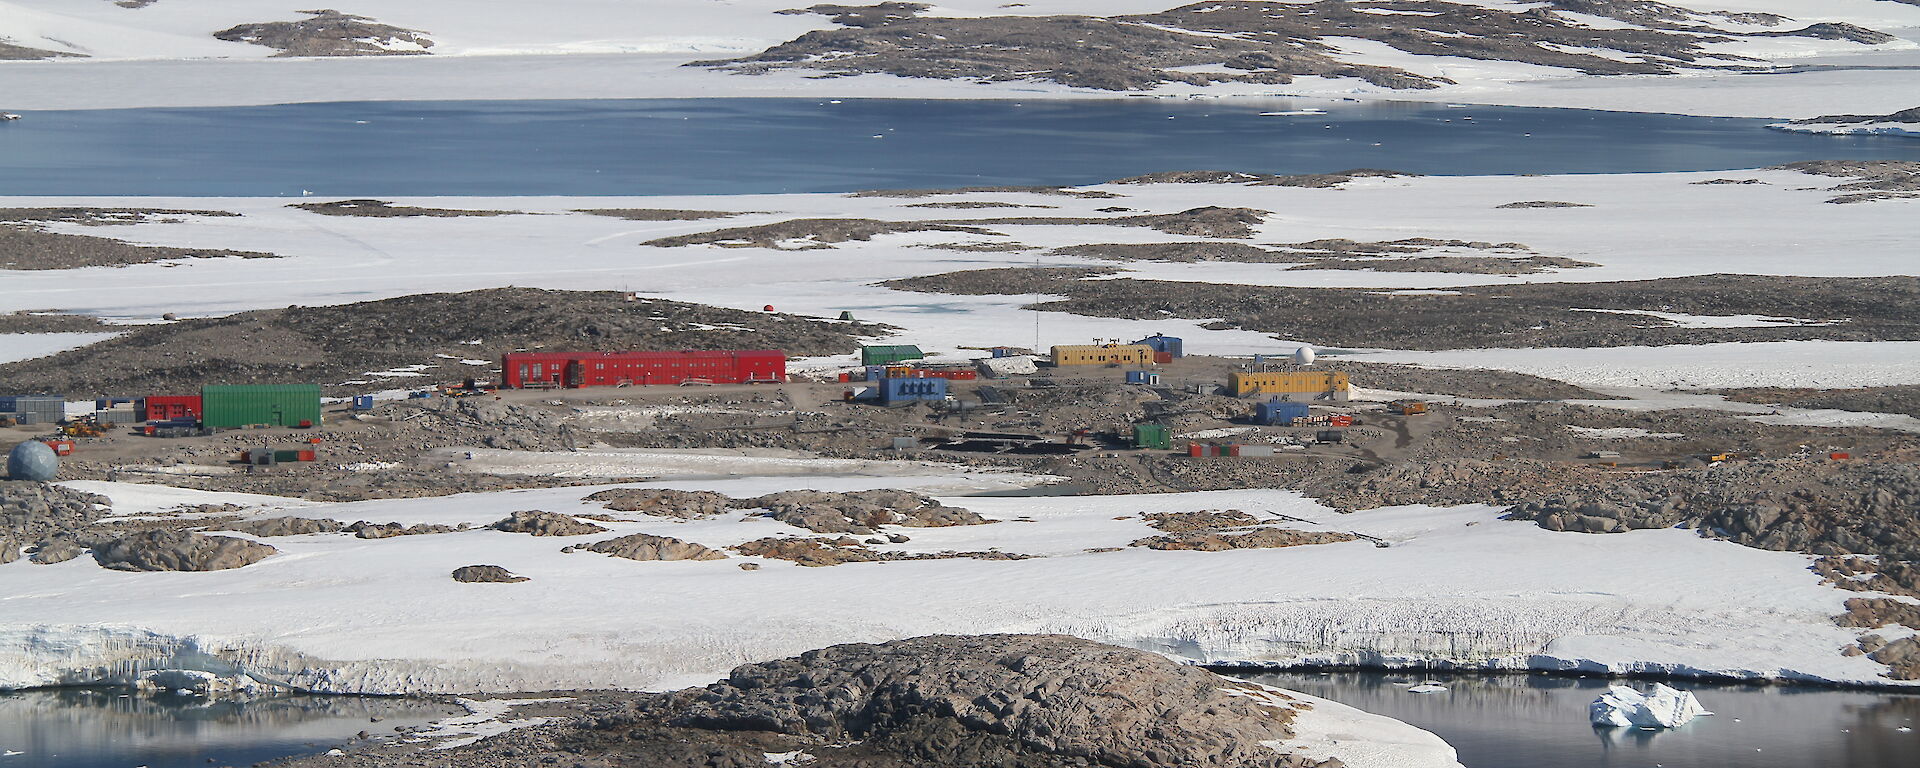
1303, 355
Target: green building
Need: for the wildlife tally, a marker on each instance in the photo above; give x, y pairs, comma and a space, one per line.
1153, 436
890, 353
281, 405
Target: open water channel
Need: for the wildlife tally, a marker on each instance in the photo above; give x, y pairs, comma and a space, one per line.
738, 146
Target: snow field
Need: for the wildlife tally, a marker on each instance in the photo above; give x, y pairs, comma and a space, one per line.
1457, 586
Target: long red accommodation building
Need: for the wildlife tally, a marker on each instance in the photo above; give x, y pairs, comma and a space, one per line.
610, 369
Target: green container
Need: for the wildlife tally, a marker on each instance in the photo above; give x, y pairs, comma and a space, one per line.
280, 405
285, 455
1153, 436
890, 353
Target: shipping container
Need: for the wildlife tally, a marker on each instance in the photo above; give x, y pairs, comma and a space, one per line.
35, 409
1278, 412
363, 402
1256, 451
1153, 437
1171, 345
1103, 354
1162, 357
893, 391
1145, 378
881, 354
613, 369
280, 405
169, 407
60, 447
116, 416
1295, 385
103, 403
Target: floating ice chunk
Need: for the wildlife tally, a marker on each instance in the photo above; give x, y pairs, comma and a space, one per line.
1428, 687
1662, 707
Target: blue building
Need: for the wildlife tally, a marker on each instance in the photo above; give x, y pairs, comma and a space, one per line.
895, 390
1171, 345
1278, 412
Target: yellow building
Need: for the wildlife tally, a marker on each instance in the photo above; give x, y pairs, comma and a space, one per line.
1293, 385
1103, 354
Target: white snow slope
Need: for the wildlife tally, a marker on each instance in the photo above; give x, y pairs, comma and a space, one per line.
164, 54
1457, 586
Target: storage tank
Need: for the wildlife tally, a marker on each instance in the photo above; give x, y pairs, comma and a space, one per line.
32, 460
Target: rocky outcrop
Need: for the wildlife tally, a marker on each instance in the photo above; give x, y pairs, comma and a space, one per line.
168, 550
1822, 508
815, 552
283, 526
485, 574
662, 502
31, 512
996, 700
1264, 538
1203, 520
365, 530
541, 523
643, 546
56, 550
330, 33
859, 512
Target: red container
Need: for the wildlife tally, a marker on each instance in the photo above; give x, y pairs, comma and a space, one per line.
306, 456
1196, 450
1837, 456
60, 447
165, 407
1340, 420
1163, 357
1231, 450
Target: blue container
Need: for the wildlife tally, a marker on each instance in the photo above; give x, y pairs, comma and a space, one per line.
363, 402
104, 403
1279, 412
1163, 343
876, 372
908, 390
1143, 377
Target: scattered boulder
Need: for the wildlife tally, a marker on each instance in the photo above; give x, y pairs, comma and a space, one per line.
541, 523
330, 33
662, 502
485, 574
282, 526
9, 550
37, 511
160, 549
1264, 538
643, 546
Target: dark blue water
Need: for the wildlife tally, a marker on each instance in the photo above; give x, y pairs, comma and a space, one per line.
110, 728
1530, 721
730, 146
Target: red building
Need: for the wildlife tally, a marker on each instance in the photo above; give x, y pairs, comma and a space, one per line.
609, 369
165, 407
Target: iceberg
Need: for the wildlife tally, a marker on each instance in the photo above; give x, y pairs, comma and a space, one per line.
1661, 707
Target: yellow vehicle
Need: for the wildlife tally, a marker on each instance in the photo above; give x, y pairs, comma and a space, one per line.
83, 428
1407, 407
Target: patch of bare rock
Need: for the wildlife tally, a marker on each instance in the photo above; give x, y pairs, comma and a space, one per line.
1904, 398
658, 214
328, 32
859, 512
486, 574
1203, 520
49, 321
282, 526
11, 52
819, 552
542, 523
1311, 180
643, 546
35, 513
1543, 204
384, 209
1263, 538
365, 530
1872, 179
1902, 656
663, 502
28, 245
161, 549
